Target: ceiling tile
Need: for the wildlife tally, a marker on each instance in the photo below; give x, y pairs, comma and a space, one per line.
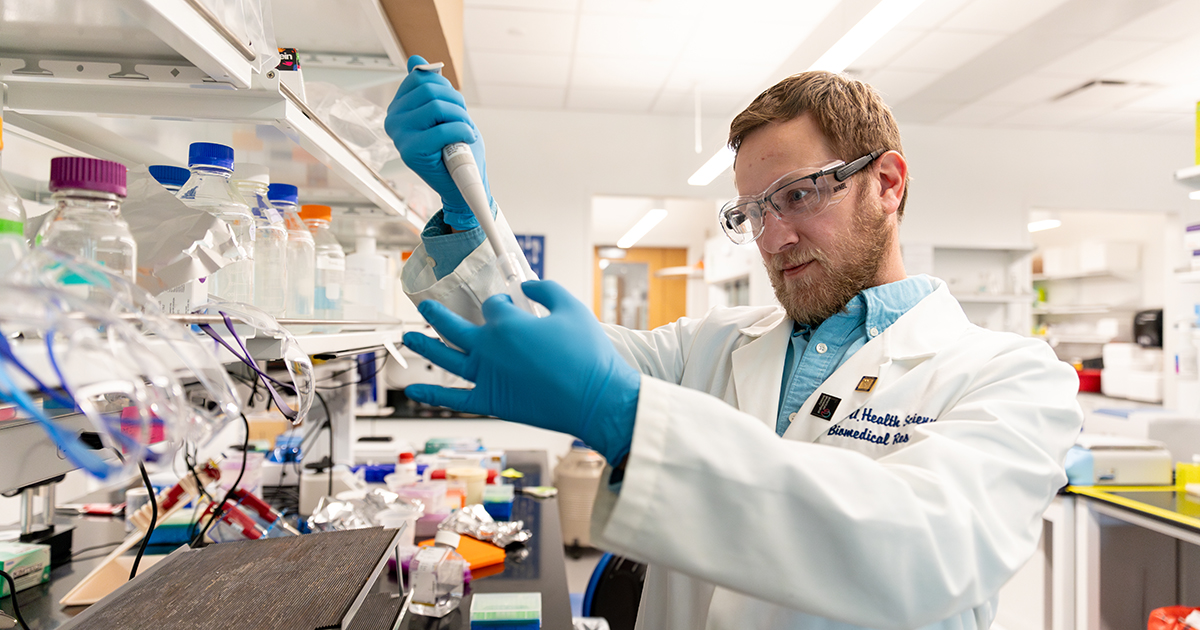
620, 72
979, 114
519, 31
644, 8
1096, 58
644, 36
1173, 65
521, 97
1178, 100
559, 6
943, 50
520, 68
712, 104
999, 16
721, 75
1177, 125
887, 48
610, 99
1102, 96
1173, 21
932, 13
1032, 89
897, 85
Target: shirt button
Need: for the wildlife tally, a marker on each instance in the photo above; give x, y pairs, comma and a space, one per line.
792, 417
822, 348
874, 332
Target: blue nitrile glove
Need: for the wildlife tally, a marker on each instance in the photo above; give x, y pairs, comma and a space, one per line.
559, 372
427, 114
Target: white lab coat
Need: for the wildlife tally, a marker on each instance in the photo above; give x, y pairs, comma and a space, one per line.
910, 507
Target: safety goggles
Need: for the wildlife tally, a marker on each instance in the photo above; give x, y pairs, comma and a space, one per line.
797, 196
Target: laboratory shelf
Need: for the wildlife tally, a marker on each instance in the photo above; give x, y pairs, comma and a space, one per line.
1083, 275
1074, 309
1187, 277
992, 298
1054, 340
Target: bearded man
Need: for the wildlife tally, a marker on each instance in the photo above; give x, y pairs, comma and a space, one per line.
862, 456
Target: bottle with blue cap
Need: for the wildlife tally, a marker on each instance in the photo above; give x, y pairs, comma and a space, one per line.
209, 189
270, 238
301, 252
170, 177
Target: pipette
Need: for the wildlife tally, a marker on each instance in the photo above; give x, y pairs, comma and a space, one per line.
465, 172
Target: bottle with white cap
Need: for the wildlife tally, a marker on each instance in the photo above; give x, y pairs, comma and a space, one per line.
301, 252
209, 189
435, 577
270, 238
366, 275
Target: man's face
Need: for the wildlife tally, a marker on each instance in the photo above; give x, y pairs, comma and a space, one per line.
818, 264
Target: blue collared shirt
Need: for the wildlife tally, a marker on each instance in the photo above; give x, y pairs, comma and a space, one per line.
814, 354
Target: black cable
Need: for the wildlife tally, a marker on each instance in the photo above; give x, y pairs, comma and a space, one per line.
153, 521
216, 512
75, 552
360, 381
12, 588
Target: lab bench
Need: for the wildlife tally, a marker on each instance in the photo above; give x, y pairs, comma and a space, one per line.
542, 569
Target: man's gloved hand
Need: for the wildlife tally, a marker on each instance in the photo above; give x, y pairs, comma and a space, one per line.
427, 114
559, 372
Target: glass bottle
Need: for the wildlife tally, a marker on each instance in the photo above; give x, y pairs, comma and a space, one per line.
330, 262
301, 253
435, 576
12, 220
86, 220
270, 238
209, 189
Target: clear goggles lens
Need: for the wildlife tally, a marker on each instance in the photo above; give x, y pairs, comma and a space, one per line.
797, 196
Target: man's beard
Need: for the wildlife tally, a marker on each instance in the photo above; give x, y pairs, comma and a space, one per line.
812, 299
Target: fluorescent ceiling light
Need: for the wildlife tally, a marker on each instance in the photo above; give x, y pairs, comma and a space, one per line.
1194, 195
713, 167
604, 263
639, 229
869, 30
1045, 224
874, 25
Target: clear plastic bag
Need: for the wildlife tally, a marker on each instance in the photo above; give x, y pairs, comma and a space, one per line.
355, 120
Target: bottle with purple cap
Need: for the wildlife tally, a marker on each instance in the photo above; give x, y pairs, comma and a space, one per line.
209, 189
86, 220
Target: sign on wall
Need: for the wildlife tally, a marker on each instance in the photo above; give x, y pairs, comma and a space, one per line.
534, 247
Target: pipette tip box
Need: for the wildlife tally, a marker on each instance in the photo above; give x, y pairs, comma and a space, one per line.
506, 611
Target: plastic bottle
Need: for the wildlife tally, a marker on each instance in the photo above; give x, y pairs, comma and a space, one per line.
435, 576
366, 273
12, 220
406, 470
209, 189
86, 220
187, 296
270, 238
301, 253
331, 262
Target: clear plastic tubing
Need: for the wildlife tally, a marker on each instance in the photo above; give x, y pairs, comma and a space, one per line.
12, 219
301, 253
209, 189
270, 238
331, 262
435, 576
86, 220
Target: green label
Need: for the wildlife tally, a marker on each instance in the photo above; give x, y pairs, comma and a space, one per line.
11, 227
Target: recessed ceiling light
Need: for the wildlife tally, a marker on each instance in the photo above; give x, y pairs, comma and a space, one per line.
639, 229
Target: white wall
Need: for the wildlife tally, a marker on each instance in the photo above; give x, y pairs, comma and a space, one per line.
970, 186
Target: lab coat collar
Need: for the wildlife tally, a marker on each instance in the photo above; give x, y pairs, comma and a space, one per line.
928, 327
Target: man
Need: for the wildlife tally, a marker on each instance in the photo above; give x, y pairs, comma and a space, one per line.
918, 451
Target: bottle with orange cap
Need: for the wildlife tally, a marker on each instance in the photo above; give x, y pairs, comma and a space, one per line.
331, 262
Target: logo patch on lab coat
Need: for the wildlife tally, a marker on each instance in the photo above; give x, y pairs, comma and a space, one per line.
866, 384
826, 406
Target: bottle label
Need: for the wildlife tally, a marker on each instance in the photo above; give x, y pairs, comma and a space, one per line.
11, 227
425, 578
332, 264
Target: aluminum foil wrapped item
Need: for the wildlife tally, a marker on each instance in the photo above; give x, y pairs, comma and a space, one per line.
175, 243
332, 515
474, 521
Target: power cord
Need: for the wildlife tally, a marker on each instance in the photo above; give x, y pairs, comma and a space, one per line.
216, 512
12, 588
153, 521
